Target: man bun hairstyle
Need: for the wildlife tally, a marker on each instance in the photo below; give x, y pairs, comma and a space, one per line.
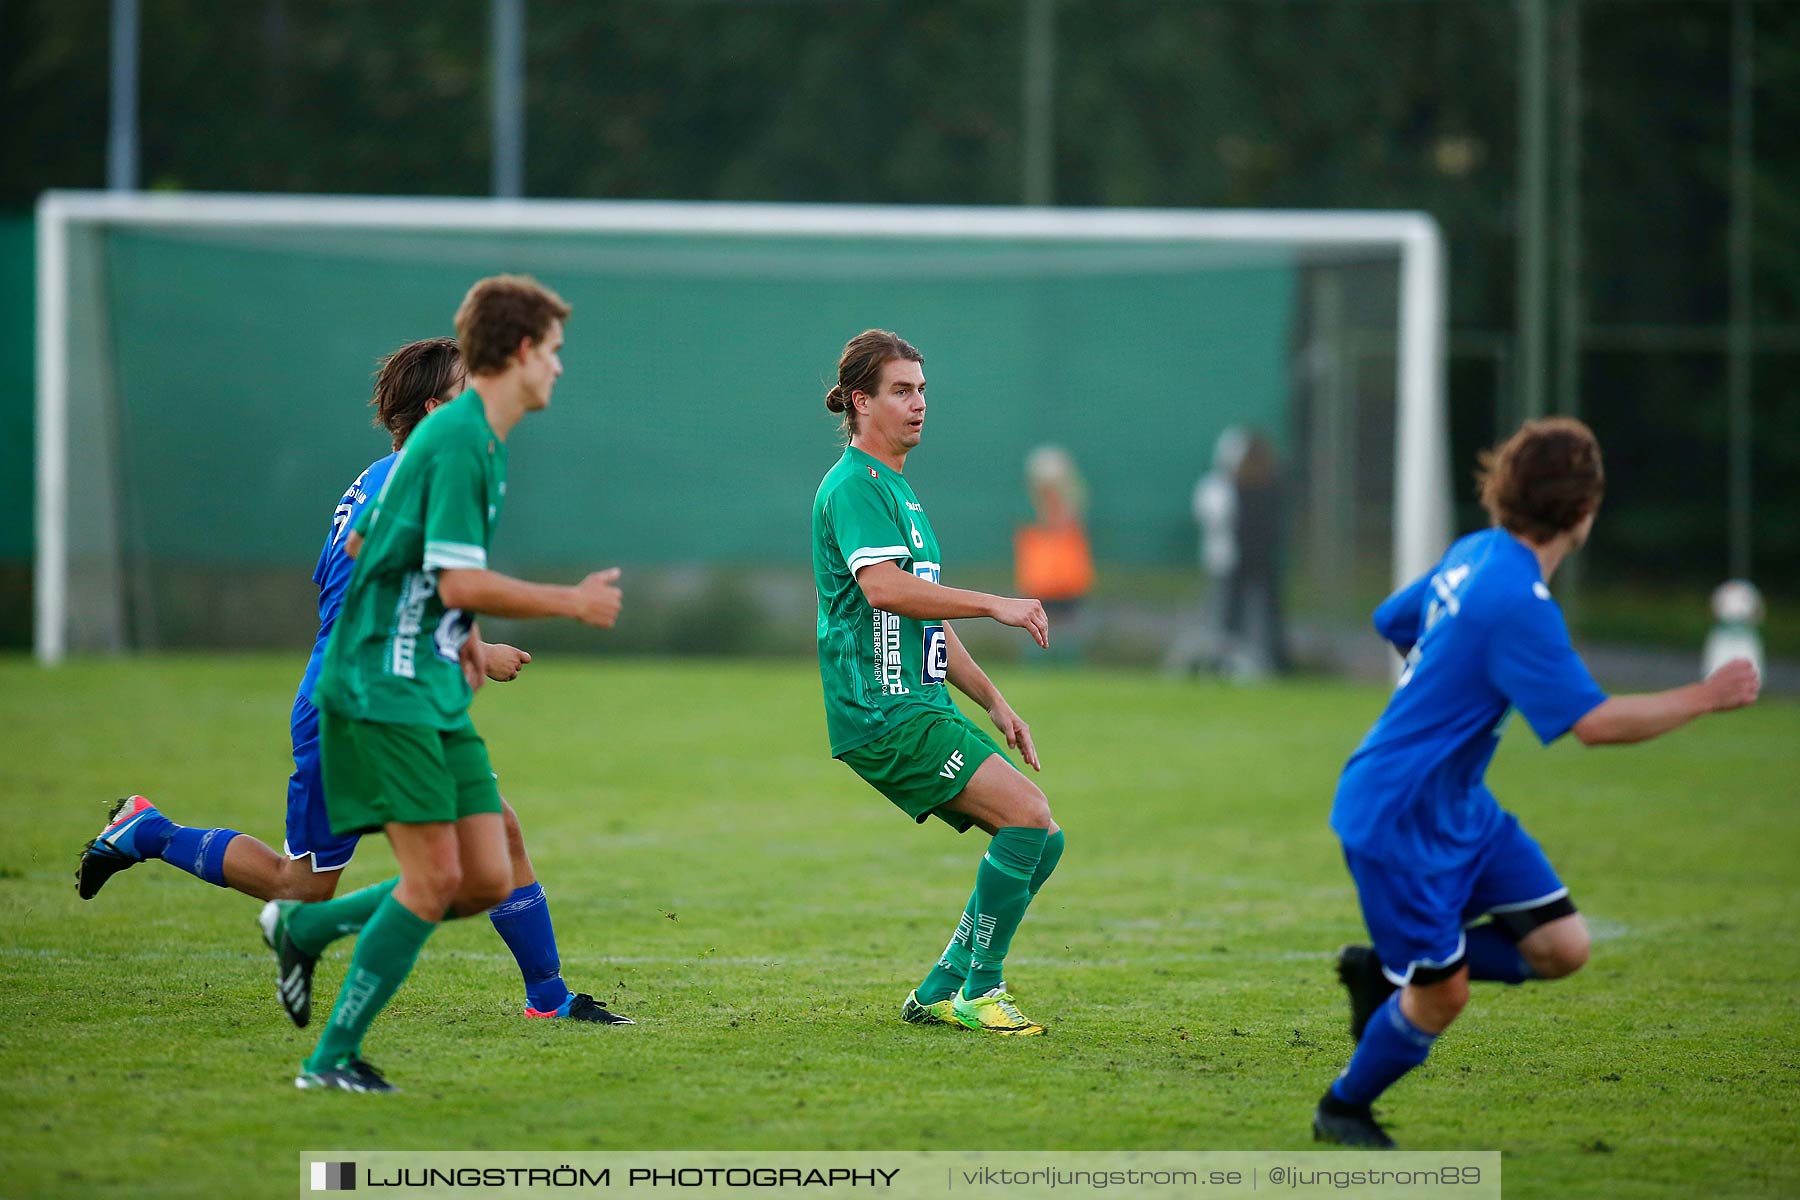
409, 379
859, 370
1543, 480
500, 312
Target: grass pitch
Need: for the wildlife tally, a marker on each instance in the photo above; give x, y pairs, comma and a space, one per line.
763, 913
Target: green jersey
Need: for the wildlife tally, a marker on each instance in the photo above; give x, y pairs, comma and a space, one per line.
394, 652
878, 667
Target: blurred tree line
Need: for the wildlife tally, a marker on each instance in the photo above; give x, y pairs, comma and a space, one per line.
1205, 103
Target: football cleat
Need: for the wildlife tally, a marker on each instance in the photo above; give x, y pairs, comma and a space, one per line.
994, 1012
351, 1075
1348, 1125
293, 966
1359, 970
112, 850
579, 1006
938, 1012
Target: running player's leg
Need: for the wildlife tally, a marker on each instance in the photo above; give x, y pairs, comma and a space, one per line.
523, 922
431, 791
136, 831
998, 799
224, 857
447, 870
1533, 930
941, 765
389, 942
252, 868
1415, 923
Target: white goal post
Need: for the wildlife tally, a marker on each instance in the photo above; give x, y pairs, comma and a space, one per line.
1422, 512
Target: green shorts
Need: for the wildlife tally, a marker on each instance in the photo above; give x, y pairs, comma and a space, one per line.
923, 763
411, 774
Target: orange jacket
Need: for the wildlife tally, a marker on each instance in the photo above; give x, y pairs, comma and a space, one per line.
1053, 562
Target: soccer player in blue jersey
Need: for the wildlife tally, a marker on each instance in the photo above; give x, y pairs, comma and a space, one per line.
1452, 887
411, 382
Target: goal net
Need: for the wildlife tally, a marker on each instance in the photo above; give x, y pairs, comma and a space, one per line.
205, 363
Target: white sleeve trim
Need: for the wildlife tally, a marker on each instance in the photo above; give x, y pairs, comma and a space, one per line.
454, 556
856, 560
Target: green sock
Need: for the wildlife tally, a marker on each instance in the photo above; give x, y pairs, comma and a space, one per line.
315, 926
384, 955
1002, 890
946, 978
1053, 848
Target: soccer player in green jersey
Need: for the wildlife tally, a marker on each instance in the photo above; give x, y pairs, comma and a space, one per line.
413, 381
400, 753
886, 652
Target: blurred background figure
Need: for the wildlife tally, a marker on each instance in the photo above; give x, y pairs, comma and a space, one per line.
1254, 632
1738, 608
1051, 558
1238, 506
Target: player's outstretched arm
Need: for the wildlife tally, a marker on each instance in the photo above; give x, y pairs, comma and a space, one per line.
901, 592
594, 601
1638, 718
969, 679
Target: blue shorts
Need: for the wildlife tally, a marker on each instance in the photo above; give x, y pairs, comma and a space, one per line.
308, 826
1418, 920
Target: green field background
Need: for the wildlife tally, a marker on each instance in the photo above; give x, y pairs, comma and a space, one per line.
762, 913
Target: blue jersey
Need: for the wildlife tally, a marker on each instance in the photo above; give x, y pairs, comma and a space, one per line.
333, 572
1482, 638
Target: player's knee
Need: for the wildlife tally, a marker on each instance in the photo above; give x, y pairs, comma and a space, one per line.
295, 879
439, 883
481, 890
1557, 948
1434, 1006
1031, 808
1563, 956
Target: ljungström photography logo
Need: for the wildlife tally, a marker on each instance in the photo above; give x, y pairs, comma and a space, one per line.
333, 1177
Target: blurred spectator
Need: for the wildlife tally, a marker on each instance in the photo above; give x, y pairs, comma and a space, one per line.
1051, 558
1238, 506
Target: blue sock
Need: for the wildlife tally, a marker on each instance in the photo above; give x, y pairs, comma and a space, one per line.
151, 834
1494, 957
197, 851
523, 923
1390, 1047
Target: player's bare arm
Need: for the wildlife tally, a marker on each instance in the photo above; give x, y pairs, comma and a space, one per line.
900, 592
594, 601
1625, 719
966, 675
353, 544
